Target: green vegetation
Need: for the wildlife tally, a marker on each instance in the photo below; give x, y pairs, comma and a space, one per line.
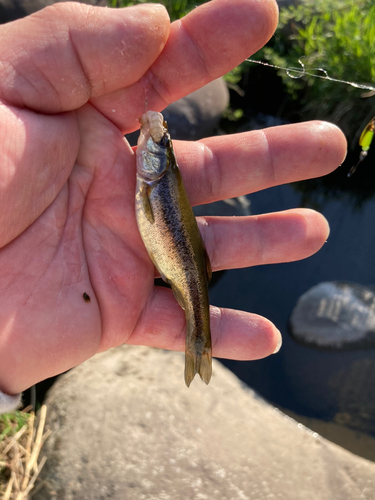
338, 36
11, 423
20, 444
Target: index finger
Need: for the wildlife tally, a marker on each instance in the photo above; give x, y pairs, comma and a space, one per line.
202, 46
232, 165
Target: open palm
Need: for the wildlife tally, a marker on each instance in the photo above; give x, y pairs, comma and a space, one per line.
73, 80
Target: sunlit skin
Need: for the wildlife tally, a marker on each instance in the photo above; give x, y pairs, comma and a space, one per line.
73, 80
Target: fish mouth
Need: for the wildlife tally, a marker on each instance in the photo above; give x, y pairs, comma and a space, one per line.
153, 141
153, 122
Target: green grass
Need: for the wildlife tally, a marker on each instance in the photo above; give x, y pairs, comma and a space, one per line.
11, 423
338, 36
20, 445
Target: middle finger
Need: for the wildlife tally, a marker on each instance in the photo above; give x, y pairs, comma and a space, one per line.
263, 239
227, 166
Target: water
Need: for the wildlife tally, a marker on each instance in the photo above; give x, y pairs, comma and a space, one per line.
301, 379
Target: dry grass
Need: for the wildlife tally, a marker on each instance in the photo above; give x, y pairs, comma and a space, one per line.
21, 439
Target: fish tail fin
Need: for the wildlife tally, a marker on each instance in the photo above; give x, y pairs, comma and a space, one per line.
198, 363
205, 367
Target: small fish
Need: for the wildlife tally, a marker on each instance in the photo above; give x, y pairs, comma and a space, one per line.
171, 236
365, 143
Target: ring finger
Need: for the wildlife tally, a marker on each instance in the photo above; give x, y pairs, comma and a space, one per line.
263, 239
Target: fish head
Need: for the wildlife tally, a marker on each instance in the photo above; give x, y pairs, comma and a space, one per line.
153, 145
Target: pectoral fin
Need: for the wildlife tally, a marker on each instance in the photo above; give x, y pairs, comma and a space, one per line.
146, 205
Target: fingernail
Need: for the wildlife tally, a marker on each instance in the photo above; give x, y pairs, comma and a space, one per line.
279, 342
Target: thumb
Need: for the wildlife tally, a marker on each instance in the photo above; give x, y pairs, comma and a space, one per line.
51, 62
58, 58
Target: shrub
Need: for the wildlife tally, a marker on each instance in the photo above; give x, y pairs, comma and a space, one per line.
338, 36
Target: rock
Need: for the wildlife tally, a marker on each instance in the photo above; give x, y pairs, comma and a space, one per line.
196, 115
10, 10
124, 426
337, 380
335, 315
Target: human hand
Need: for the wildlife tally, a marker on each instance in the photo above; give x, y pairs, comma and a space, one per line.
73, 80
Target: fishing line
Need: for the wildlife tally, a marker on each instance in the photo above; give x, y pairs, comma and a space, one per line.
296, 73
